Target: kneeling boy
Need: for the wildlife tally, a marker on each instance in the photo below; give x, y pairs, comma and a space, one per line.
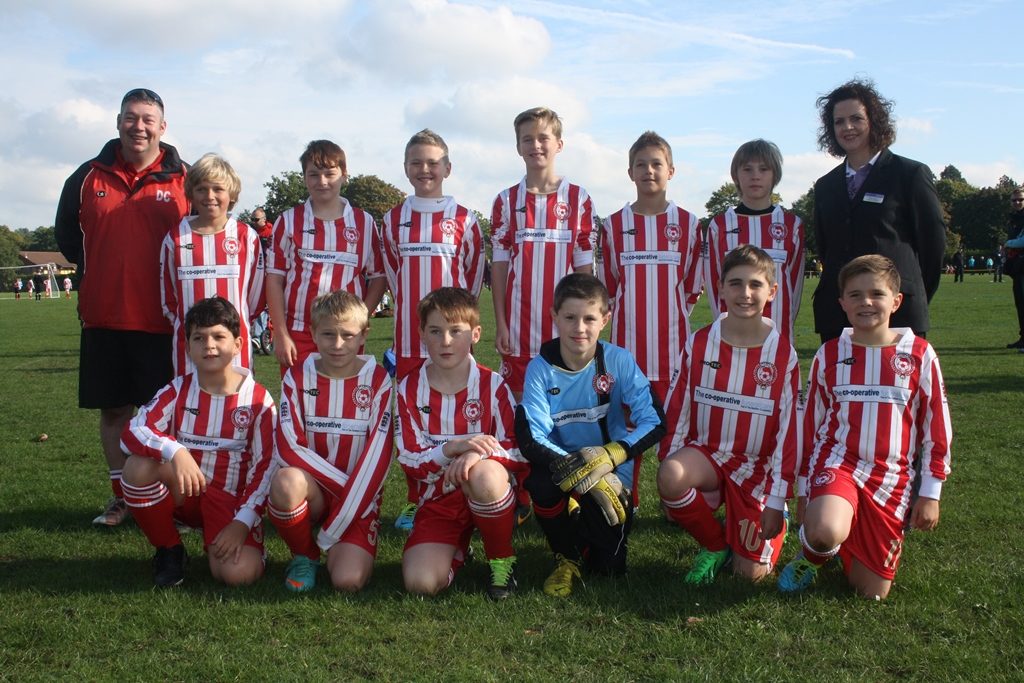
334, 448
575, 398
875, 403
456, 423
733, 432
200, 453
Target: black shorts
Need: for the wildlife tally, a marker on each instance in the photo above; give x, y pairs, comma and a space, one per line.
122, 367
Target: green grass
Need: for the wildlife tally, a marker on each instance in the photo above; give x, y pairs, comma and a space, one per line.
78, 603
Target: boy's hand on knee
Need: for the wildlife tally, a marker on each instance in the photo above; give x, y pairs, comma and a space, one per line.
187, 476
230, 541
771, 524
457, 471
925, 514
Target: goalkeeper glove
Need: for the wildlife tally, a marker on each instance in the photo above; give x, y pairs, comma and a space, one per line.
580, 470
608, 494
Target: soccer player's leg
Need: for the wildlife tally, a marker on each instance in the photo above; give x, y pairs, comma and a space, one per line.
350, 560
152, 503
492, 502
296, 503
872, 551
217, 509
605, 546
753, 558
551, 508
826, 525
436, 549
682, 477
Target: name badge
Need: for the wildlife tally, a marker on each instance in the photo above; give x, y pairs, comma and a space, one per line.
874, 197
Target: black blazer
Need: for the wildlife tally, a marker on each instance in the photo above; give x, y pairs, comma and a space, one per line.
902, 220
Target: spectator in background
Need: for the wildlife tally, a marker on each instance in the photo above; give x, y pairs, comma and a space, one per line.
1014, 266
958, 265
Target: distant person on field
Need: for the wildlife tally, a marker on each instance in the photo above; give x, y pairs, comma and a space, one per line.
997, 264
67, 288
1014, 266
201, 452
876, 411
958, 265
113, 214
32, 287
18, 286
264, 229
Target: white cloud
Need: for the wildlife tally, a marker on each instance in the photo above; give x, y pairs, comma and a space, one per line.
916, 125
987, 174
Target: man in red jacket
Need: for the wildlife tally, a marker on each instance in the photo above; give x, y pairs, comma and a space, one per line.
113, 214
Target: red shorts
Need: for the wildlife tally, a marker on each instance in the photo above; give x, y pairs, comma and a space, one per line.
876, 536
213, 511
513, 371
743, 518
446, 519
363, 532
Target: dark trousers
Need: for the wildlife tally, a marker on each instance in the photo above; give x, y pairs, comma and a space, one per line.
1018, 301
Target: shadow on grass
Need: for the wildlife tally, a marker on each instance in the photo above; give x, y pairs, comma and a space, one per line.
40, 353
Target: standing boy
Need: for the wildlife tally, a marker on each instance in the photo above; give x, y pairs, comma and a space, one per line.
876, 404
211, 254
757, 170
67, 287
541, 230
733, 433
576, 397
651, 265
334, 447
200, 454
324, 245
428, 241
456, 425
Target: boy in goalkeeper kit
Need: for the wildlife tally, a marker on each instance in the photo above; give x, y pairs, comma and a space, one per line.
576, 397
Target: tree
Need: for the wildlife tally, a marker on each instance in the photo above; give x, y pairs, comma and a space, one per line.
43, 239
723, 198
1007, 183
951, 172
975, 215
284, 192
10, 245
485, 228
804, 208
371, 194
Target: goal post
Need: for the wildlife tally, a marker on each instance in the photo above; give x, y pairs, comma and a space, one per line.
39, 275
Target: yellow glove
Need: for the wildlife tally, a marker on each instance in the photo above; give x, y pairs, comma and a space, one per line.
607, 493
580, 470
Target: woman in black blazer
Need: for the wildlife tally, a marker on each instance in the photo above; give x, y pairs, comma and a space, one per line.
890, 208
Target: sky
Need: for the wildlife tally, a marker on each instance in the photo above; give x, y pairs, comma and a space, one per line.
255, 80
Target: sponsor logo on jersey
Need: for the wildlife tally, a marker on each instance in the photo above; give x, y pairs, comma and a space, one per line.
310, 231
241, 417
188, 246
312, 392
407, 224
193, 411
673, 232
554, 391
846, 361
351, 235
777, 231
362, 396
101, 193
765, 374
603, 383
425, 410
713, 364
823, 478
231, 246
562, 211
871, 393
449, 226
521, 209
472, 410
903, 364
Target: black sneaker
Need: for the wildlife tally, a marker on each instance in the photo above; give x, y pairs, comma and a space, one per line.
503, 578
169, 566
1019, 344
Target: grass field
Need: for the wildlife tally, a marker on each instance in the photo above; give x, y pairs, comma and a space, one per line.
78, 603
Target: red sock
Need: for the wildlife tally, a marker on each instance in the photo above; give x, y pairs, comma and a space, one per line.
115, 483
296, 529
692, 513
496, 521
152, 506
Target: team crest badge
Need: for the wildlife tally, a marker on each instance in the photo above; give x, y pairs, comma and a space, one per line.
672, 232
505, 370
603, 383
777, 231
448, 226
242, 417
472, 410
231, 246
823, 478
562, 211
765, 374
361, 396
903, 364
351, 235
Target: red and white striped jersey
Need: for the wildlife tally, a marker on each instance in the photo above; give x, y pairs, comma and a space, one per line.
543, 237
231, 437
781, 234
652, 268
228, 263
869, 411
339, 431
316, 257
427, 244
427, 419
740, 403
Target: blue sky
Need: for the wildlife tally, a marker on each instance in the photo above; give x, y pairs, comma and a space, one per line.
254, 82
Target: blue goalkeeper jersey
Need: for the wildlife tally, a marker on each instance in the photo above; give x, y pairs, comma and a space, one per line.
564, 410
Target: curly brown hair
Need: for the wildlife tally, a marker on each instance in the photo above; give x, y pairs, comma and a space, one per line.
883, 130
